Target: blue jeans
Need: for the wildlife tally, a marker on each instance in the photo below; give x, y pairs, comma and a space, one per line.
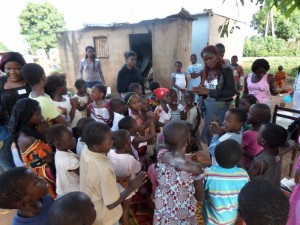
215, 111
91, 84
6, 157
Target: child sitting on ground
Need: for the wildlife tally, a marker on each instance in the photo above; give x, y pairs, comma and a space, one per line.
22, 189
81, 124
258, 115
222, 184
75, 208
233, 122
179, 179
125, 166
66, 161
179, 80
191, 114
97, 109
56, 88
267, 163
153, 99
136, 88
82, 96
98, 180
116, 109
261, 203
176, 107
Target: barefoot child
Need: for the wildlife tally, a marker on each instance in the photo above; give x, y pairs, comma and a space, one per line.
97, 178
125, 166
22, 189
97, 109
279, 79
179, 180
194, 70
66, 161
74, 208
266, 164
258, 115
179, 80
82, 96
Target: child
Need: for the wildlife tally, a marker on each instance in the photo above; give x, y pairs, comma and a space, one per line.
238, 75
136, 87
179, 80
97, 109
162, 112
22, 189
75, 208
233, 122
29, 130
153, 99
178, 188
125, 166
116, 109
258, 115
34, 74
222, 184
82, 96
139, 143
194, 70
246, 101
176, 107
81, 124
267, 163
191, 115
279, 78
98, 180
66, 162
56, 88
133, 102
261, 203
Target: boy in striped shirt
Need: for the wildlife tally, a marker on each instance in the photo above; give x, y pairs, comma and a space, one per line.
223, 183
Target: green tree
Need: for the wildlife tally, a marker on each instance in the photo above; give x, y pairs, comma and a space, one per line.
3, 47
39, 22
285, 28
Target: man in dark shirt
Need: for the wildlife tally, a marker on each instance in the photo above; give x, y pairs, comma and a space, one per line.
128, 74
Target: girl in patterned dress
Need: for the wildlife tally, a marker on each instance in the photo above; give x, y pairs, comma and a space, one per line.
179, 179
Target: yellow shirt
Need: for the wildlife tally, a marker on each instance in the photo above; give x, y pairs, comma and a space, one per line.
98, 181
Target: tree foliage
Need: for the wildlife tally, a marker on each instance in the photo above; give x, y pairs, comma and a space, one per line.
285, 28
3, 47
39, 22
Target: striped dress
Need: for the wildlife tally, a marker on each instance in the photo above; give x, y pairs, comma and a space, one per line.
222, 187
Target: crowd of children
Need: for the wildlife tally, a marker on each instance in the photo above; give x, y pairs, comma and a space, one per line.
96, 157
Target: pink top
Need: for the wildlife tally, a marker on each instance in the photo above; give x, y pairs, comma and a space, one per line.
250, 145
261, 89
152, 175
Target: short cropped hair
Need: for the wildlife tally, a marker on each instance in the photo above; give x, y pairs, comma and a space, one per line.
94, 133
126, 123
174, 129
119, 138
261, 203
154, 85
260, 63
228, 153
79, 83
264, 112
54, 81
115, 102
130, 54
234, 57
13, 185
70, 209
33, 73
56, 131
133, 87
82, 123
220, 45
178, 63
240, 114
274, 135
251, 99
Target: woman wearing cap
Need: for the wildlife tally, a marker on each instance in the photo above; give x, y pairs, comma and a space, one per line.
12, 87
217, 86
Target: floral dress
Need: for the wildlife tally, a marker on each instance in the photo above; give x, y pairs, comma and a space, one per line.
174, 199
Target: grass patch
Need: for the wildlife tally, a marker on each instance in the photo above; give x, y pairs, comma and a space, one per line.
288, 63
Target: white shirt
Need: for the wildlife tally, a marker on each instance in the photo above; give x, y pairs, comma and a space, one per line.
180, 80
66, 180
79, 146
117, 118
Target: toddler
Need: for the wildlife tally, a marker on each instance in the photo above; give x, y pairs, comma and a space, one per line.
233, 122
267, 163
75, 208
22, 189
125, 166
66, 161
82, 96
116, 109
279, 79
222, 184
179, 80
176, 107
81, 124
98, 108
179, 180
136, 88
194, 70
258, 115
98, 180
153, 99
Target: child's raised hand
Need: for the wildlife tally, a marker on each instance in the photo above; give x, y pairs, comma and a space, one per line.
43, 127
150, 115
138, 181
215, 128
74, 102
